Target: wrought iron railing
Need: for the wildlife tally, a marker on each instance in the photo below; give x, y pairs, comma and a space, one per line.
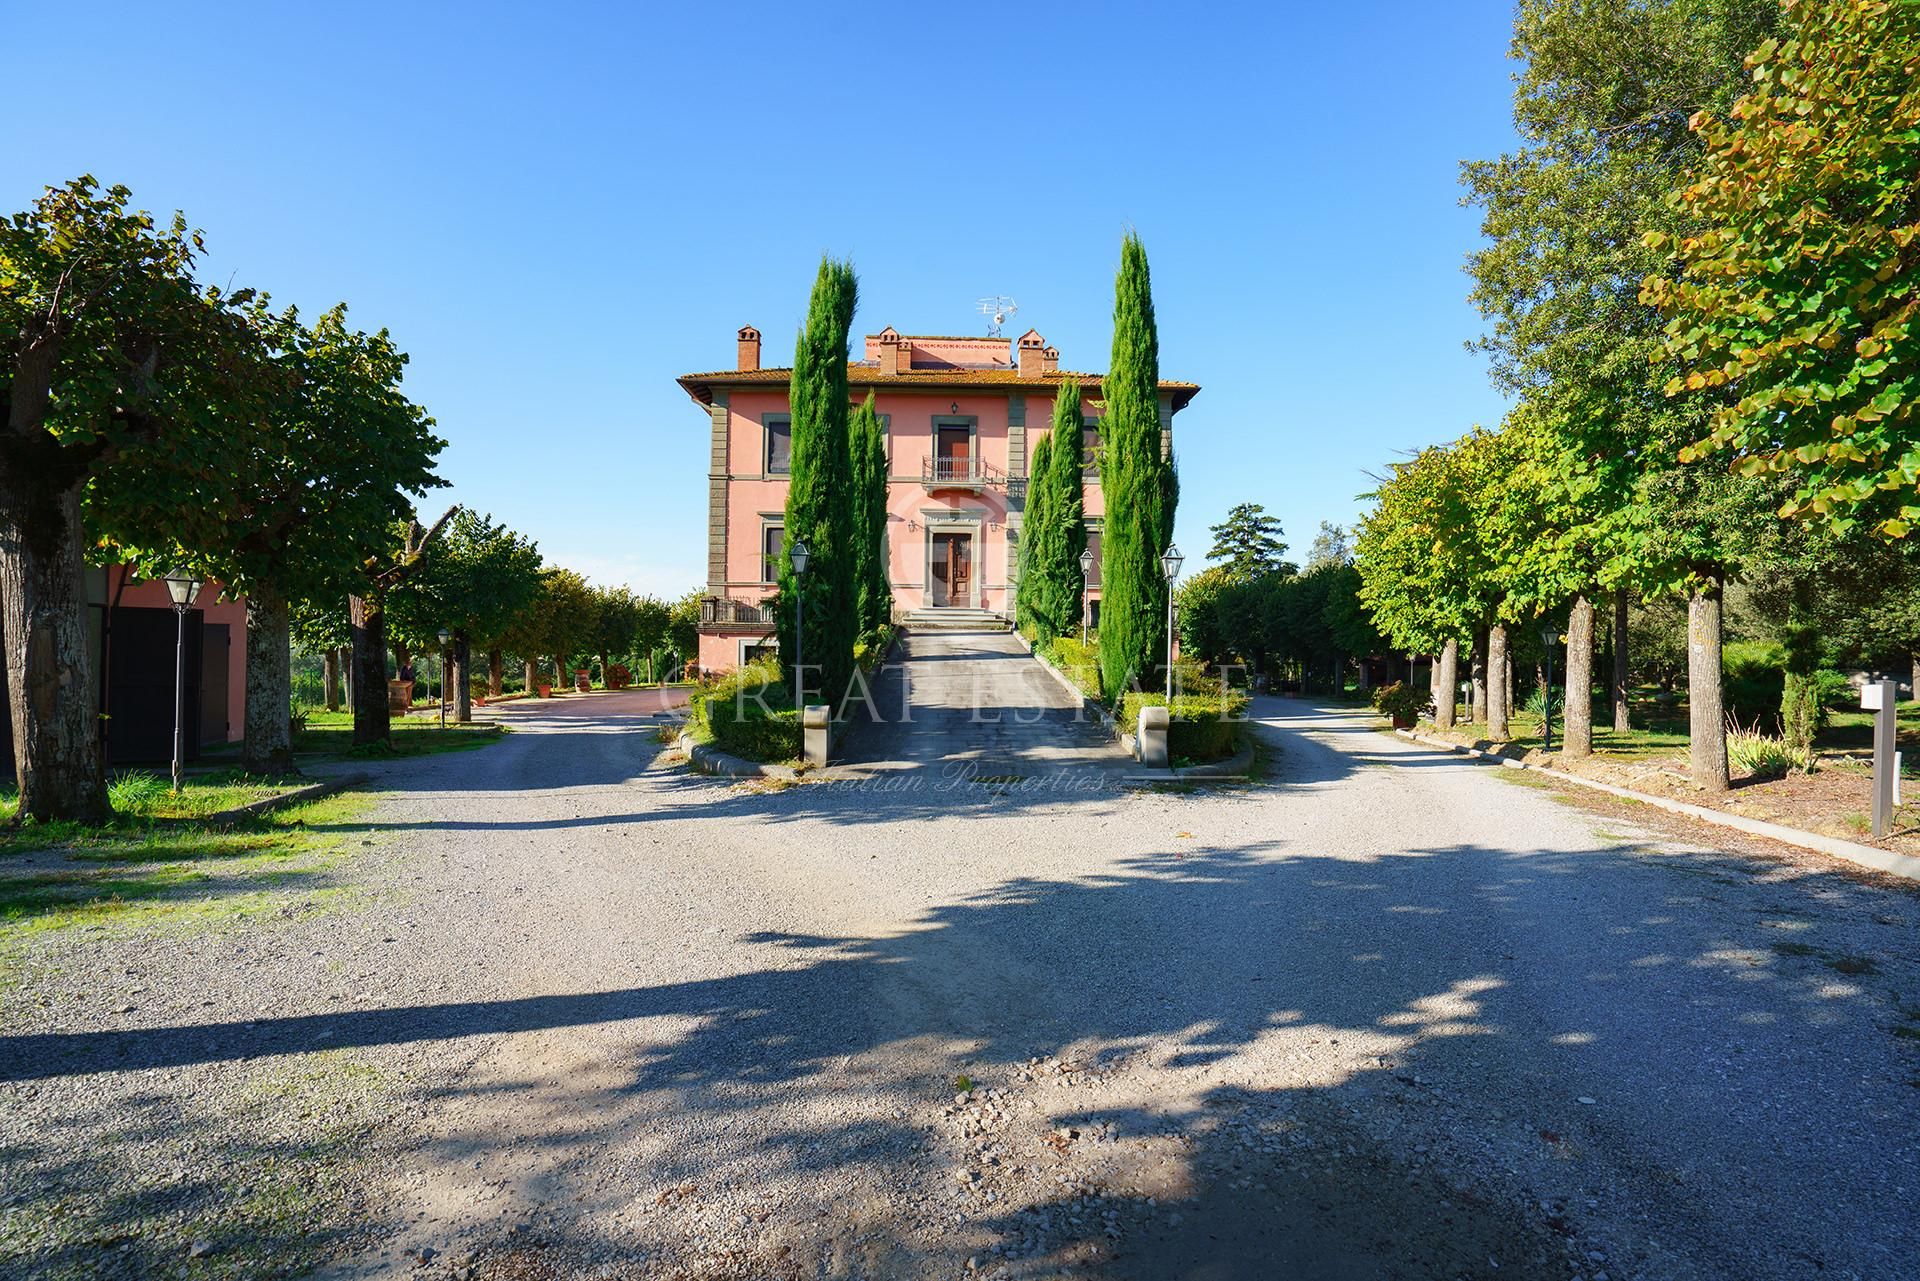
961, 471
725, 611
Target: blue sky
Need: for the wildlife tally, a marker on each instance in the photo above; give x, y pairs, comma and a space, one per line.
557, 211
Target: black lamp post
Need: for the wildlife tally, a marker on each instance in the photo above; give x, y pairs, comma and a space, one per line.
445, 636
1549, 634
184, 588
1086, 589
1170, 566
797, 558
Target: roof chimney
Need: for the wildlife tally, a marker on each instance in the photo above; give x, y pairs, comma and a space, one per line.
897, 356
1031, 346
1050, 360
749, 348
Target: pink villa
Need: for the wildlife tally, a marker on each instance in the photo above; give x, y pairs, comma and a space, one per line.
962, 415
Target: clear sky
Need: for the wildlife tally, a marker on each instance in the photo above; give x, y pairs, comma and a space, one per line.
557, 209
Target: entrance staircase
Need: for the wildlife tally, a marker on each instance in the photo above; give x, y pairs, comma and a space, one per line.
955, 619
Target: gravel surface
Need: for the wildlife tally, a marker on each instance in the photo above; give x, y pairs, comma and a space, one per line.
1387, 1014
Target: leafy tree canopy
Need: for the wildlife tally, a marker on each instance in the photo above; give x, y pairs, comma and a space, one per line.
1248, 541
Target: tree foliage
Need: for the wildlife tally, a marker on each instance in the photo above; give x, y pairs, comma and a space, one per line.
1248, 541
1139, 485
1054, 532
873, 586
821, 496
1799, 265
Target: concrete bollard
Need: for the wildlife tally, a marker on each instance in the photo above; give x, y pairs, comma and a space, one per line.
1152, 737
813, 734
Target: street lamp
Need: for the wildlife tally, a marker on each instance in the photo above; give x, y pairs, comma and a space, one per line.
1170, 566
184, 588
797, 559
1549, 634
445, 636
1086, 588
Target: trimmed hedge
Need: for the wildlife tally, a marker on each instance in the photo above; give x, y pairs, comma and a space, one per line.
749, 713
1207, 722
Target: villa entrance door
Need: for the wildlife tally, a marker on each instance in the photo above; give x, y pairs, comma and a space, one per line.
951, 569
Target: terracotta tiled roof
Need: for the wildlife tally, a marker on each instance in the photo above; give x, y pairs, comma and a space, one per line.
700, 386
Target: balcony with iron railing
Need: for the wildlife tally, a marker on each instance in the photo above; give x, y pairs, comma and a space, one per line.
960, 473
724, 611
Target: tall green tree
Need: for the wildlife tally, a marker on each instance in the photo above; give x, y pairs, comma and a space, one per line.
1055, 532
1248, 541
1602, 106
311, 489
113, 348
1140, 488
821, 496
480, 578
1799, 287
1030, 598
873, 585
374, 580
559, 622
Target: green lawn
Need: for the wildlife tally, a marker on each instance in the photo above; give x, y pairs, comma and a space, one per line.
156, 864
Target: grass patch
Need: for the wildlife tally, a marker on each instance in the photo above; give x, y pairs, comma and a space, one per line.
139, 872
962, 1083
329, 736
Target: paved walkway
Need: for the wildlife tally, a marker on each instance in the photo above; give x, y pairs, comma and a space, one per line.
977, 704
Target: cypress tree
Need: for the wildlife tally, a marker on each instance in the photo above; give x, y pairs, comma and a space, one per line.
1030, 604
1066, 507
821, 497
1139, 485
874, 591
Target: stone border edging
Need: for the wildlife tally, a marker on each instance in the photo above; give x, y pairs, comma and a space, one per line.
1888, 861
311, 792
712, 760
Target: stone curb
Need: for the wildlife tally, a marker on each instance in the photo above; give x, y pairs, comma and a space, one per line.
312, 791
711, 760
1894, 864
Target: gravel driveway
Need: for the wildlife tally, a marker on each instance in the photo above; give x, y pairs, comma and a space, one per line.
1388, 1014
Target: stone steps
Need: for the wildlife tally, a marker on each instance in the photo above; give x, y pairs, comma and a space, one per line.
955, 620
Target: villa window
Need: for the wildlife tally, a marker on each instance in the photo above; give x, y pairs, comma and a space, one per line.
770, 539
779, 445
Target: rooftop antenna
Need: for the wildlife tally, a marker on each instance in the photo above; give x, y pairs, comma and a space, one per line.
998, 310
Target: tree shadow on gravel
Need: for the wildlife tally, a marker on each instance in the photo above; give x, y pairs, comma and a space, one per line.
1528, 983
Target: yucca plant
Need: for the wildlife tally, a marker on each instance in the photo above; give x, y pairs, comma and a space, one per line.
1764, 755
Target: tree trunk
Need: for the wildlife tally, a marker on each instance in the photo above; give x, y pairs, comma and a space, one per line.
345, 663
330, 678
1622, 714
267, 743
53, 698
606, 680
562, 678
1499, 684
462, 679
533, 676
372, 723
494, 674
1577, 740
1446, 682
1706, 711
1914, 691
1479, 668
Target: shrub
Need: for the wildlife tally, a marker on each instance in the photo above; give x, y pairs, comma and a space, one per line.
618, 676
1753, 673
871, 650
1081, 663
1203, 725
749, 713
1763, 755
1399, 702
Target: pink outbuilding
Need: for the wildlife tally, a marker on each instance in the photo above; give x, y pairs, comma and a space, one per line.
962, 416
